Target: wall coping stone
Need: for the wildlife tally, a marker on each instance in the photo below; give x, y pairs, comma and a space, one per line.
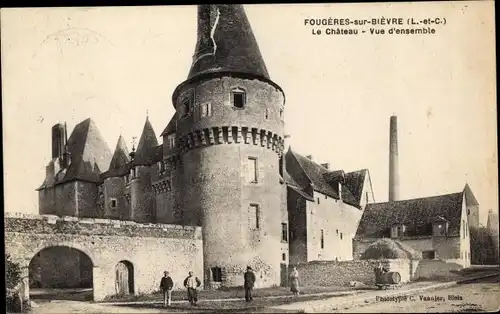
68, 220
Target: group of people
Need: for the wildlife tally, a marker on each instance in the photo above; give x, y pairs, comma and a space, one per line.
192, 283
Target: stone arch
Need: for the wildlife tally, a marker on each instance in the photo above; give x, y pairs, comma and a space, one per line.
61, 267
124, 277
73, 245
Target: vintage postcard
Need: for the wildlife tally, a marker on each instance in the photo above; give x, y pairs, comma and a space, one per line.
251, 158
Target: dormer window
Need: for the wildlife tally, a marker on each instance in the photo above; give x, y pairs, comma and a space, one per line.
440, 228
238, 98
398, 231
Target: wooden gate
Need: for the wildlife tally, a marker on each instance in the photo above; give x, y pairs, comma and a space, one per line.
284, 275
124, 278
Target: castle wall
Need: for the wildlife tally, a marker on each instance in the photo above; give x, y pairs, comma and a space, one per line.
298, 229
142, 196
337, 221
65, 199
151, 249
114, 189
86, 200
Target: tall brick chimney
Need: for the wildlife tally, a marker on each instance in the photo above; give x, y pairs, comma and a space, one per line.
393, 161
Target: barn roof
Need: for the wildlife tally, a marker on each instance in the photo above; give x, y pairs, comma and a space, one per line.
378, 217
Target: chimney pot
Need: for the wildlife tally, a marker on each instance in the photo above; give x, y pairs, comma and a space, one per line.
326, 165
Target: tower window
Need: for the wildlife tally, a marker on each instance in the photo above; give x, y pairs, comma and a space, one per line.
205, 110
267, 113
284, 232
318, 200
322, 239
252, 170
113, 203
341, 236
185, 107
239, 98
283, 256
254, 216
281, 113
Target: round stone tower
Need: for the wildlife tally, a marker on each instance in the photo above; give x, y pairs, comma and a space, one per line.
230, 137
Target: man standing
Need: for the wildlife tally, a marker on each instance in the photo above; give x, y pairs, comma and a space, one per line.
166, 286
192, 283
249, 283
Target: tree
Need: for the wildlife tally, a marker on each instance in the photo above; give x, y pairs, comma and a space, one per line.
12, 273
482, 246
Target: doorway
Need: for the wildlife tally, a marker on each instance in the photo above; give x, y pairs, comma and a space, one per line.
284, 275
124, 278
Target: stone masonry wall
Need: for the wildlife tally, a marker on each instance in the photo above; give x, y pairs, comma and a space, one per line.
151, 248
327, 273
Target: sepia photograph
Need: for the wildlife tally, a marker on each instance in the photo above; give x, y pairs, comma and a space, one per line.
256, 158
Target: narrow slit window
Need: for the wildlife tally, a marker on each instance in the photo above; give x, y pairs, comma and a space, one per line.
113, 203
284, 232
322, 239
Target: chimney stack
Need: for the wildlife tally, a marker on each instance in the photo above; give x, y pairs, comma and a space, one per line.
326, 165
58, 141
393, 161
309, 157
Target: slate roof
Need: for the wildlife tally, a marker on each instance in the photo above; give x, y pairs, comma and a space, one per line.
147, 147
378, 218
171, 126
225, 42
90, 155
119, 165
320, 177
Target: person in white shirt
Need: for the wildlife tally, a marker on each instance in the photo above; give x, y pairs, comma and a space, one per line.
192, 283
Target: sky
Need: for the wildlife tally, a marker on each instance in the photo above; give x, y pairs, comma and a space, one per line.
117, 65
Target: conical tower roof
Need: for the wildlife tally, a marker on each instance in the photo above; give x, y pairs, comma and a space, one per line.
226, 42
147, 144
120, 156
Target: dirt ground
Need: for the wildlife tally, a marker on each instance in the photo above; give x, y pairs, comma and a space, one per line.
480, 296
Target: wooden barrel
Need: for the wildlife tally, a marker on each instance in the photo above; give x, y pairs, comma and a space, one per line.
390, 278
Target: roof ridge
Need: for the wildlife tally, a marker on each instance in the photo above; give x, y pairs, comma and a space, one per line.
419, 198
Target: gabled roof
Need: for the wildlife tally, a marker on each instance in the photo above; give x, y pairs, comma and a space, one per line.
469, 196
419, 212
90, 155
171, 126
119, 165
320, 178
146, 149
225, 42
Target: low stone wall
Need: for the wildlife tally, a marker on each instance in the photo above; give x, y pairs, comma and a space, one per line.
333, 273
434, 269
